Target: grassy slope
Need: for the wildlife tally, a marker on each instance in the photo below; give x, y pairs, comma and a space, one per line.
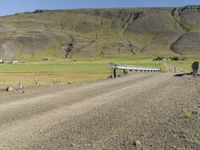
106, 30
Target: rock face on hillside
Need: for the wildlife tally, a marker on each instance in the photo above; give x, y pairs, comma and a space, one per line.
189, 43
101, 32
190, 14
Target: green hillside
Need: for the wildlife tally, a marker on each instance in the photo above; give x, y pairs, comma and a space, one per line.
101, 33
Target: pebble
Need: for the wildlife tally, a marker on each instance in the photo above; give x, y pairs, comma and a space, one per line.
72, 144
138, 145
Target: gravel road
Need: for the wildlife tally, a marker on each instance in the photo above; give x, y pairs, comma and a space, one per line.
111, 114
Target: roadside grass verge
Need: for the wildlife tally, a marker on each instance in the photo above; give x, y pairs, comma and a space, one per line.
28, 79
184, 65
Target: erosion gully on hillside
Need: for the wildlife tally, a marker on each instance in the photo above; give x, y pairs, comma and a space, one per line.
154, 109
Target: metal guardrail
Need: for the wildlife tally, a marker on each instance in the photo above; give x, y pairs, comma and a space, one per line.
129, 67
115, 67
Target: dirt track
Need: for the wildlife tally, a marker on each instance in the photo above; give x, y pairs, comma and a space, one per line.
111, 114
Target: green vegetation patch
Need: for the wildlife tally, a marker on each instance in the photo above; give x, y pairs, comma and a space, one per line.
95, 66
194, 141
185, 65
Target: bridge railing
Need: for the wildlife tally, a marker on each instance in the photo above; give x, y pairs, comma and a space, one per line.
115, 67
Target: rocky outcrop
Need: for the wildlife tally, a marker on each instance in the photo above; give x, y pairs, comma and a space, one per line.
189, 43
191, 14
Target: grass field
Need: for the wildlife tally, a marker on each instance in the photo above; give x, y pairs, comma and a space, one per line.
66, 71
62, 71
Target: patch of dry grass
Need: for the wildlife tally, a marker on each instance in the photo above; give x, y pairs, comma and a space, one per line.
48, 78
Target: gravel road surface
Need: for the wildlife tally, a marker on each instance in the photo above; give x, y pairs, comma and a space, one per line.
111, 114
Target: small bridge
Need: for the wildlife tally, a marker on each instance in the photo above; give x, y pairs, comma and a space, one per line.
115, 67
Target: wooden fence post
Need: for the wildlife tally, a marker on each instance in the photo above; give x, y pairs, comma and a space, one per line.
124, 71
114, 73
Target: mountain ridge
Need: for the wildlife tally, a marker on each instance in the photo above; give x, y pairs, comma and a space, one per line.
110, 32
